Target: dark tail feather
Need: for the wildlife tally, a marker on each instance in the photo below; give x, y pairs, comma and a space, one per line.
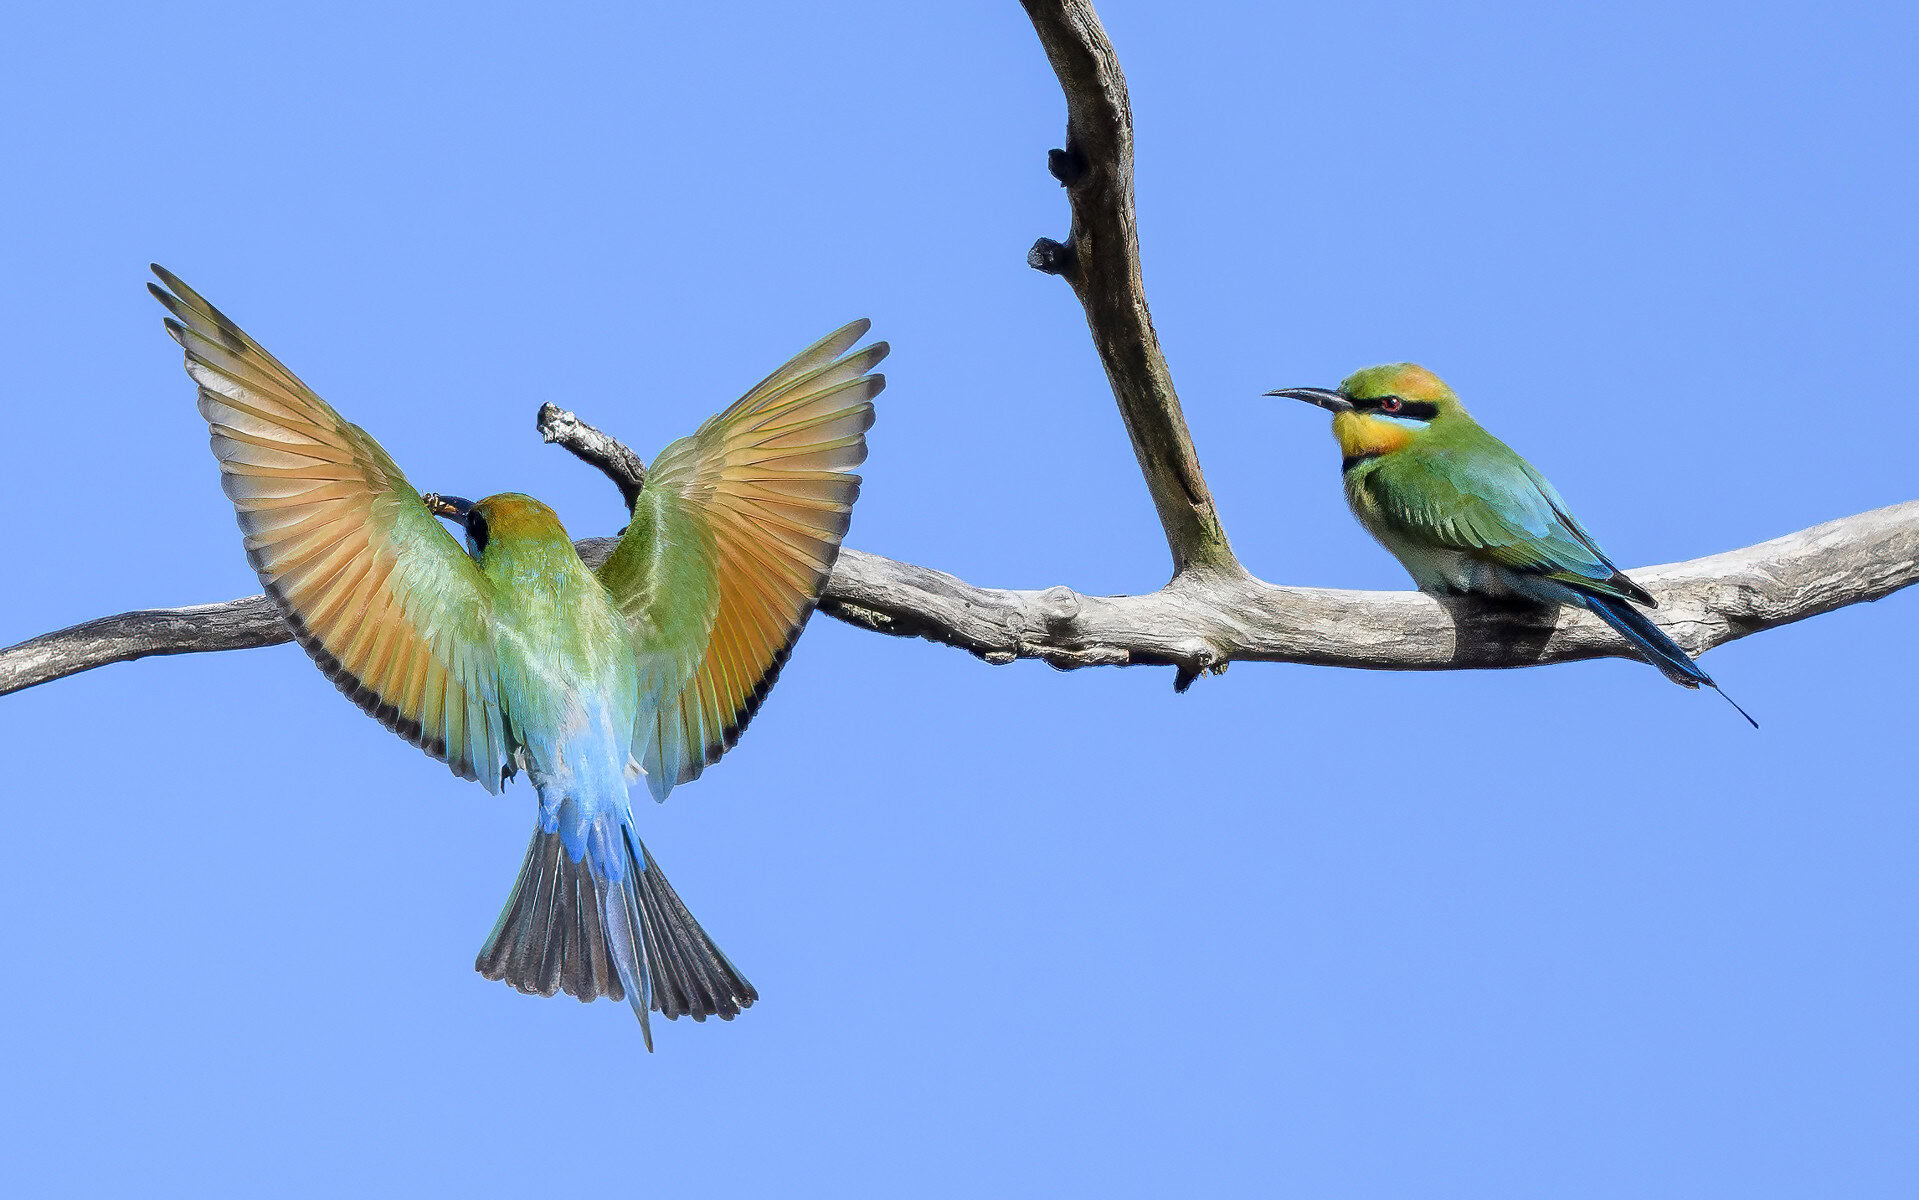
693, 978
1658, 649
566, 927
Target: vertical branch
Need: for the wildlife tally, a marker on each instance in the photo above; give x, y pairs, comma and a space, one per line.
1101, 262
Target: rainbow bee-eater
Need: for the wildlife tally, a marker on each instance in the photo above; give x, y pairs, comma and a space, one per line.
1463, 512
510, 654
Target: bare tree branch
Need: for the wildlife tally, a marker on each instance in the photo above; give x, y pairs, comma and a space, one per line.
1199, 622
1101, 261
610, 455
1212, 612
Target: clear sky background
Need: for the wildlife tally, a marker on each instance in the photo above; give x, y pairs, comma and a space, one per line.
1566, 932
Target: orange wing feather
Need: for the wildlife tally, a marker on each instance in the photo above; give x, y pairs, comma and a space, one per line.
761, 497
391, 608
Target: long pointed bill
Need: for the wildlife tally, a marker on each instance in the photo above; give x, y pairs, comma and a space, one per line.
447, 506
1329, 400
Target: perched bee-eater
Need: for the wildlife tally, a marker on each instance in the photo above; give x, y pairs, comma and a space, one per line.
510, 654
1462, 512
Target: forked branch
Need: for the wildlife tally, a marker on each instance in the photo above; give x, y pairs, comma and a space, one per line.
1198, 622
1212, 612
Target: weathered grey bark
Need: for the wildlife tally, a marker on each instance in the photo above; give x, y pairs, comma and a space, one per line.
611, 456
1100, 259
1212, 612
1200, 621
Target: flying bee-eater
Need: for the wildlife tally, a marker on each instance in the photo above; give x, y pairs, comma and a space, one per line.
1463, 512
510, 654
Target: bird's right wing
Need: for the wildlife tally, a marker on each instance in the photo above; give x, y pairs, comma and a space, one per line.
733, 536
375, 589
1489, 503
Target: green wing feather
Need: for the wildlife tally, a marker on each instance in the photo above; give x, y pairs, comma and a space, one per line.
1476, 495
374, 588
732, 539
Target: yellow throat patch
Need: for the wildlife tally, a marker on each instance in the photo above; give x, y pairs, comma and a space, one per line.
1362, 435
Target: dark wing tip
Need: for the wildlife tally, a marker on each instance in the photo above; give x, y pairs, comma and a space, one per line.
168, 300
187, 304
172, 281
1638, 594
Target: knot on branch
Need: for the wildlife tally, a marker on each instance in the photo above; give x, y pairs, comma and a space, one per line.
1052, 258
1058, 606
1068, 166
1197, 658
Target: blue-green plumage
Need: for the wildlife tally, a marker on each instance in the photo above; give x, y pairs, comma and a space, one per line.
513, 655
1464, 513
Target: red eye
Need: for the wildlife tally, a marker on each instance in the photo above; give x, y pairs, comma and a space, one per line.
1389, 404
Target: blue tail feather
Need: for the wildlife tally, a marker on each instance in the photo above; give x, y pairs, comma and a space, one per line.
1637, 628
1651, 641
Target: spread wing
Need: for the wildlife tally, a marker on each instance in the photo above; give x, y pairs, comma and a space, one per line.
1490, 503
375, 589
732, 539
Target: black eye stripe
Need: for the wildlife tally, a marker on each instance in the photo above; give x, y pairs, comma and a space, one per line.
1418, 410
476, 531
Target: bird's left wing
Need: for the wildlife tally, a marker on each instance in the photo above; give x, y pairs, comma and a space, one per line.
1488, 502
733, 536
387, 603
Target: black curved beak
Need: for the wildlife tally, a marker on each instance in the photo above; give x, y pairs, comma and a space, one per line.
447, 506
1329, 400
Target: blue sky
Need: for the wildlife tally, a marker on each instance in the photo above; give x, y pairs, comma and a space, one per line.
1567, 931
